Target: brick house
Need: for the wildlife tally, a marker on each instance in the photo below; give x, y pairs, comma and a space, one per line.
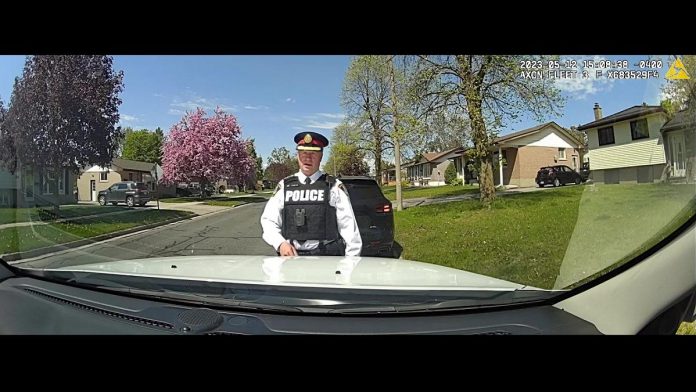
522, 153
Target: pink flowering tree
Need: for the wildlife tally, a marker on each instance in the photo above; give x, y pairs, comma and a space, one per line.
206, 150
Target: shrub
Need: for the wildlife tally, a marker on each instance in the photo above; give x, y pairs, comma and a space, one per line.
450, 174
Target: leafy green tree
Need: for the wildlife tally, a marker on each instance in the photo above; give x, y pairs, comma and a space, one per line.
143, 145
280, 164
492, 91
64, 113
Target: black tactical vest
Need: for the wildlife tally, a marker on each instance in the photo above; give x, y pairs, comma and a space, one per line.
307, 214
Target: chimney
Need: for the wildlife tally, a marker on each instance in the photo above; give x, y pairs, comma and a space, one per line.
597, 111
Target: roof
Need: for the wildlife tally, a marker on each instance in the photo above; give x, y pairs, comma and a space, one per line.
680, 120
432, 156
531, 130
127, 164
627, 114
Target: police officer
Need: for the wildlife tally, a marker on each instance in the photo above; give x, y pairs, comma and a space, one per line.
310, 212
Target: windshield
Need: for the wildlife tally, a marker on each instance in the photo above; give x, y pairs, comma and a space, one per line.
343, 183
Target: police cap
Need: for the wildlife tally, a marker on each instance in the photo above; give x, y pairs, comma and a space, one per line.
311, 141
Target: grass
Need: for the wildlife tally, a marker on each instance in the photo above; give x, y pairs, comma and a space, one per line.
21, 239
551, 239
16, 215
618, 222
687, 329
432, 192
512, 241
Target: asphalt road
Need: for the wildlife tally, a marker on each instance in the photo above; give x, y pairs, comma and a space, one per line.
234, 231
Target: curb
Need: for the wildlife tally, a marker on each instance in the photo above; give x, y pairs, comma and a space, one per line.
86, 241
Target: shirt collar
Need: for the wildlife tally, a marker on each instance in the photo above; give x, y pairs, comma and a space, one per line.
312, 178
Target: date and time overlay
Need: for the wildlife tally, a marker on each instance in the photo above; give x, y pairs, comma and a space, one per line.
602, 69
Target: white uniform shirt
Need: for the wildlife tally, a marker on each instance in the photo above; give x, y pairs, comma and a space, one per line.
272, 218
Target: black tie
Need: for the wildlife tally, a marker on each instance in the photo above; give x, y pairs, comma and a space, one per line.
307, 181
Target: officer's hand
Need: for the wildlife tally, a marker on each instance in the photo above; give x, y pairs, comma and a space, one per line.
286, 249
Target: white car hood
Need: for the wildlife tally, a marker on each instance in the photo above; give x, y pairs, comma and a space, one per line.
305, 271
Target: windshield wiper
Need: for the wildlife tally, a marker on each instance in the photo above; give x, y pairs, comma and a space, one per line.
516, 297
198, 299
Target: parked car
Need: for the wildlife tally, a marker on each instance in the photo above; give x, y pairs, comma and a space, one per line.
557, 175
374, 214
129, 192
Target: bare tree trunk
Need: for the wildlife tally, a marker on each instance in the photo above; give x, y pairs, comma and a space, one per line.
486, 186
397, 142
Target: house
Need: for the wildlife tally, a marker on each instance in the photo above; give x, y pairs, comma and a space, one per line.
33, 186
429, 168
97, 178
626, 147
522, 153
679, 135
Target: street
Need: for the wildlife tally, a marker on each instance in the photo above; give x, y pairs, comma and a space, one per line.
234, 231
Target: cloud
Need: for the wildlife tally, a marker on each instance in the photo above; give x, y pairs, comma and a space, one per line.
158, 95
339, 116
322, 125
580, 87
129, 118
290, 100
250, 107
180, 106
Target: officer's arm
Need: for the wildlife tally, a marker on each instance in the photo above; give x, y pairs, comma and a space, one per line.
345, 217
272, 218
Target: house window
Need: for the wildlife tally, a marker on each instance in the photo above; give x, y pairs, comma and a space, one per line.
561, 154
29, 183
639, 129
61, 182
606, 135
47, 180
103, 175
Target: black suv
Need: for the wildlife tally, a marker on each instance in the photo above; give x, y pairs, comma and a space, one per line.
374, 214
557, 175
128, 192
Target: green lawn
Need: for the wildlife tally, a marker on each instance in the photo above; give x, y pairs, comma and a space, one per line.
21, 239
687, 329
429, 192
548, 239
16, 215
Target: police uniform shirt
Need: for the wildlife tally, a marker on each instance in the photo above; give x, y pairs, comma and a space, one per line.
272, 218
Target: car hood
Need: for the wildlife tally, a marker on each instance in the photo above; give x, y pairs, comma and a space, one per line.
306, 271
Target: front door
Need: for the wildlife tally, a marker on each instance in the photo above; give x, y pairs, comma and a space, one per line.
677, 154
92, 190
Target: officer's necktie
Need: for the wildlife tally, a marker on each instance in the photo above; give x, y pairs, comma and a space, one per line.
307, 181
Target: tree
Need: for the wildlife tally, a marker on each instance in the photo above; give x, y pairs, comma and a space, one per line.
143, 145
7, 153
345, 157
63, 113
206, 149
257, 173
365, 96
682, 92
280, 164
491, 90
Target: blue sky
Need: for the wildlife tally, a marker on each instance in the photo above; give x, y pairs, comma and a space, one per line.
274, 97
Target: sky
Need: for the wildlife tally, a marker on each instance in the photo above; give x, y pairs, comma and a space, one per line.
275, 97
